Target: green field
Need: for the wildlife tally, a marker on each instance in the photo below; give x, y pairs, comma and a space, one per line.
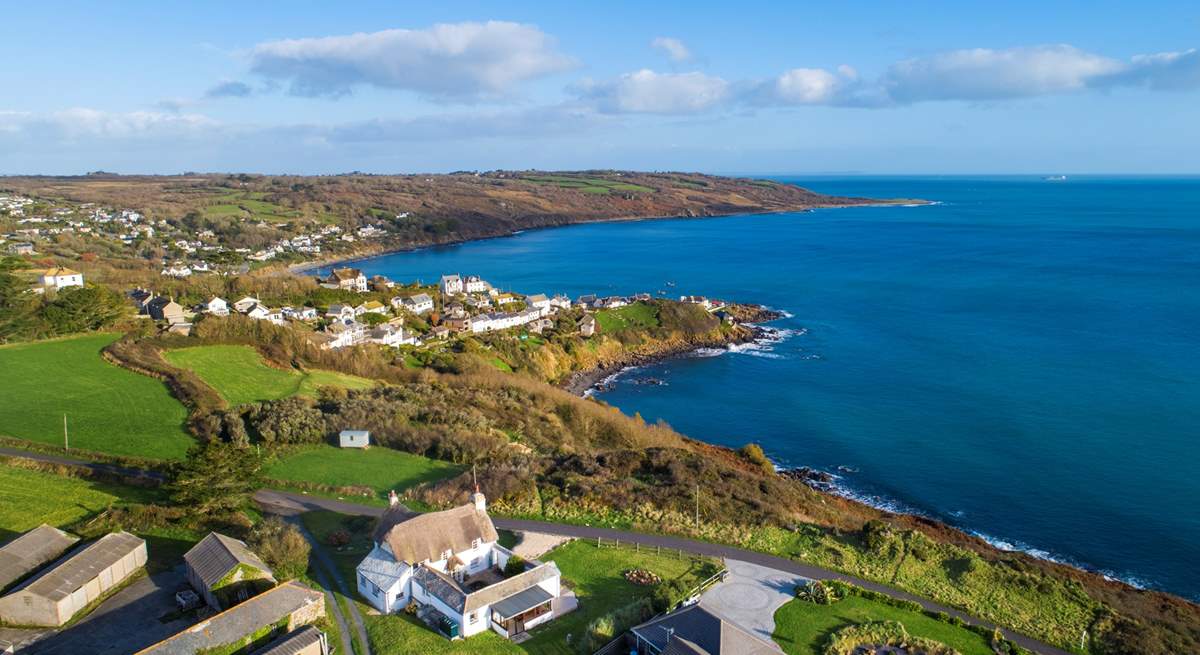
109, 409
382, 469
587, 184
248, 205
637, 315
241, 376
803, 628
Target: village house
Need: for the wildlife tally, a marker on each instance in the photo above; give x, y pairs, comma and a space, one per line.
476, 284
341, 334
300, 313
246, 304
260, 621
140, 298
697, 300
215, 306
450, 565
381, 283
225, 572
587, 325
177, 270
371, 307
258, 312
52, 597
61, 278
162, 308
451, 285
351, 279
439, 332
341, 312
540, 302
418, 304
354, 439
24, 248
458, 321
695, 630
28, 552
560, 302
388, 335
586, 301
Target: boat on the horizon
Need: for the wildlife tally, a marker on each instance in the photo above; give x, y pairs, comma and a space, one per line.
1055, 178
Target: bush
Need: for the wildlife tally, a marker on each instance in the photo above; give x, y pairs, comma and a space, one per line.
755, 455
282, 547
337, 538
606, 628
819, 593
514, 566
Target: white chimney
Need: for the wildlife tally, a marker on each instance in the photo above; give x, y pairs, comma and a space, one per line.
479, 501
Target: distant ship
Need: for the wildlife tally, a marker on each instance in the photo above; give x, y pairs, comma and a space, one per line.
1055, 178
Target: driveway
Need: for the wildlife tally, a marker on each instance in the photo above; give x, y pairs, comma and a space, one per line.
750, 594
126, 622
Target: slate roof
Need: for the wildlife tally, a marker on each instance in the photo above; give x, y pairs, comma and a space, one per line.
216, 555
506, 588
521, 601
291, 643
702, 632
82, 566
381, 569
27, 552
428, 536
238, 621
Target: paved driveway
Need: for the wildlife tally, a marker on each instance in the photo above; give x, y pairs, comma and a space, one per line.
750, 594
124, 623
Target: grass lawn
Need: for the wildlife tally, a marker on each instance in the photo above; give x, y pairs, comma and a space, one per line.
382, 469
29, 498
802, 628
109, 409
637, 315
241, 376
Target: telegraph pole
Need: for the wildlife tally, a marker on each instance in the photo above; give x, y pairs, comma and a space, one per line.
697, 506
66, 440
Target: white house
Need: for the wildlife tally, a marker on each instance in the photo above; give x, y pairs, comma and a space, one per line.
418, 304
246, 304
341, 312
449, 563
60, 278
371, 307
451, 285
539, 302
476, 284
347, 278
258, 312
215, 306
300, 313
354, 439
177, 270
388, 335
342, 334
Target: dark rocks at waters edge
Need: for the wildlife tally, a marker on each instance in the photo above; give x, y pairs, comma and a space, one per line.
752, 313
819, 480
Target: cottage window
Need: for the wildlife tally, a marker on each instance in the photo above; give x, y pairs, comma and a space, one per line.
374, 589
474, 543
472, 617
447, 553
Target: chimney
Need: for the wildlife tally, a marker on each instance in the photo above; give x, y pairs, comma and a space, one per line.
479, 501
393, 499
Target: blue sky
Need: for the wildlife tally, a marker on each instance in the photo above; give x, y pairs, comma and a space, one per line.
305, 87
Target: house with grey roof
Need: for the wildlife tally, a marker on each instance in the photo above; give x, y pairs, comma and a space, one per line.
696, 630
450, 565
53, 596
28, 552
225, 572
254, 624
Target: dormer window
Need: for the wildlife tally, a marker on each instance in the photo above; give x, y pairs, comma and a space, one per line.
446, 554
474, 543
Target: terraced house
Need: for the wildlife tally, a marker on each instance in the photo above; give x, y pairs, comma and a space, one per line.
449, 565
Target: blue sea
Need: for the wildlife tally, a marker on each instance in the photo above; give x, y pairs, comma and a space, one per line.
1020, 360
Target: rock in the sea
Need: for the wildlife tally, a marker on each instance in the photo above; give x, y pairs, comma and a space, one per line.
819, 480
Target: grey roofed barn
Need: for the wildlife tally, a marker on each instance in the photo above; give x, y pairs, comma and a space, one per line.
216, 555
28, 552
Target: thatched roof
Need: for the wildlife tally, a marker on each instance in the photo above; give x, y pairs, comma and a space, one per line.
429, 536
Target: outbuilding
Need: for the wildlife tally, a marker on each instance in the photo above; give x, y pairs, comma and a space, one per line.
225, 572
354, 438
28, 552
56, 595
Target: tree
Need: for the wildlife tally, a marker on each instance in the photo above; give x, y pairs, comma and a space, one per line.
78, 309
216, 477
282, 547
18, 317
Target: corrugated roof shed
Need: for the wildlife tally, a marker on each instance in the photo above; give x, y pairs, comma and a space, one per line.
699, 628
239, 621
83, 565
216, 555
293, 642
26, 553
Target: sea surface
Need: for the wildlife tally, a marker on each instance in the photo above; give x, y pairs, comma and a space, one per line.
1021, 359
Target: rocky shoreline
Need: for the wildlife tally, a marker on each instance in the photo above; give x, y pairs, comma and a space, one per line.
748, 316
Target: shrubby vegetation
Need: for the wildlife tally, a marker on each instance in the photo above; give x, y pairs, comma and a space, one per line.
25, 316
281, 546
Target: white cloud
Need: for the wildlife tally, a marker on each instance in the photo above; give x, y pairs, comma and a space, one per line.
447, 61
79, 123
672, 47
985, 74
807, 86
646, 91
1164, 71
